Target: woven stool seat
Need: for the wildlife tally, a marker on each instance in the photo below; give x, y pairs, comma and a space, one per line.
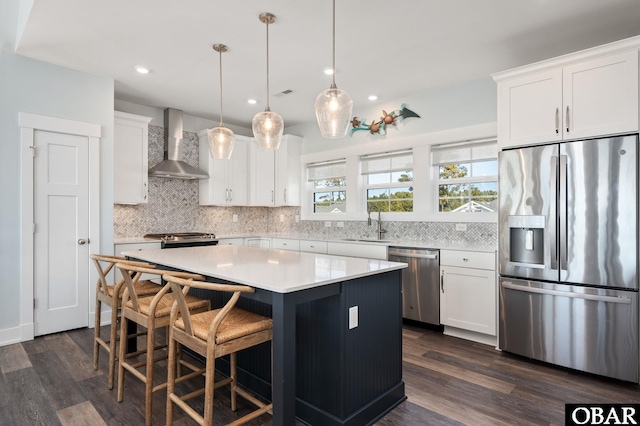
238, 323
143, 288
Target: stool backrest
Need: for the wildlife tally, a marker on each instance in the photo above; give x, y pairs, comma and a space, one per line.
180, 287
104, 264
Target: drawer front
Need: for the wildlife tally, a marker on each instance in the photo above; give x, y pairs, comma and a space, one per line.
285, 244
313, 246
119, 248
468, 259
231, 242
369, 251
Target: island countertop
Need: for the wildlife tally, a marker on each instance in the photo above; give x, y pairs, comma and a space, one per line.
279, 271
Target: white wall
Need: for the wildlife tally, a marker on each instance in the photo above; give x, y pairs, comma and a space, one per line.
466, 104
191, 123
27, 85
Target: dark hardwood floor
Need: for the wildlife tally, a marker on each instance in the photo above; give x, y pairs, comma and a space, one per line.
449, 381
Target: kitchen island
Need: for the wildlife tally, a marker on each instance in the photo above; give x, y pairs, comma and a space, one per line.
337, 328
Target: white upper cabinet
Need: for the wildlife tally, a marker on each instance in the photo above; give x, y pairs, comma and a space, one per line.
275, 175
131, 141
586, 94
227, 184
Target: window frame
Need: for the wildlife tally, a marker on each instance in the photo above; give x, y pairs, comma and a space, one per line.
424, 194
366, 186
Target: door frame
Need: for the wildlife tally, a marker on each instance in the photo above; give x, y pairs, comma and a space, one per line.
29, 123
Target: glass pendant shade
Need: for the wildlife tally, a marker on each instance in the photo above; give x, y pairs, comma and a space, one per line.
267, 129
333, 111
221, 141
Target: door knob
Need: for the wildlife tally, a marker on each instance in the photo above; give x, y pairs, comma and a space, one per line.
82, 241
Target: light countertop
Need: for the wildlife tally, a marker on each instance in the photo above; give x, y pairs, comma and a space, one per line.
280, 271
440, 245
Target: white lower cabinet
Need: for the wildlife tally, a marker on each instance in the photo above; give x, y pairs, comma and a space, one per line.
231, 242
285, 244
468, 295
260, 242
312, 246
119, 248
370, 251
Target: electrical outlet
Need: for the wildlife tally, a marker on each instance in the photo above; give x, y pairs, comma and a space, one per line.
281, 218
461, 226
327, 224
340, 224
235, 218
353, 317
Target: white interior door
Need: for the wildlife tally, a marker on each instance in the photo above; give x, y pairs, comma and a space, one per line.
61, 216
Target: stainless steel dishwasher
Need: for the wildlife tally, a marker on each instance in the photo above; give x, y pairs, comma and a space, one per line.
420, 283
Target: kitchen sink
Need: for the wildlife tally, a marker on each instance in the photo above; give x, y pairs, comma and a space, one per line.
363, 240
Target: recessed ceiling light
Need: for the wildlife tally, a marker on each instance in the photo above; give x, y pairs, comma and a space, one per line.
372, 97
252, 101
142, 70
328, 71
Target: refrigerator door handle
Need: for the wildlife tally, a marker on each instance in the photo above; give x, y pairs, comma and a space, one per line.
563, 212
553, 241
557, 120
595, 297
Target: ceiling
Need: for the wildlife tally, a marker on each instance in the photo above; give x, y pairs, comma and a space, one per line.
391, 49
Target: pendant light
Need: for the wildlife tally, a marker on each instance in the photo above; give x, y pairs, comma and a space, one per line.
267, 125
334, 106
221, 139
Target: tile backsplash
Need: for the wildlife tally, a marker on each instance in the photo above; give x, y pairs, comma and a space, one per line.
173, 207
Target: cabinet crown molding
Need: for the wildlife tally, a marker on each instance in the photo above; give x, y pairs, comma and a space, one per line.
627, 44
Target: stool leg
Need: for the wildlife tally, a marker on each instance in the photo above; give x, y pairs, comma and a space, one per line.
96, 335
113, 338
233, 370
209, 381
171, 376
122, 356
148, 397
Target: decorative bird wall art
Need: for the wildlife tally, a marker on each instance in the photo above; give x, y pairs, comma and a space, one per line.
380, 127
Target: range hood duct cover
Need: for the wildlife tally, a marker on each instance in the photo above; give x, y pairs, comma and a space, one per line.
173, 166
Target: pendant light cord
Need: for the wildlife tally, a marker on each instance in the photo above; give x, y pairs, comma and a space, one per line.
220, 52
267, 109
333, 84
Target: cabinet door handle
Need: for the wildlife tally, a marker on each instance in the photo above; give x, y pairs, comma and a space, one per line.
272, 196
465, 259
231, 195
285, 195
145, 190
557, 120
567, 118
226, 194
442, 281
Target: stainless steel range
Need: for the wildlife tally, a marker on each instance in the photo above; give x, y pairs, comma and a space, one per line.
184, 239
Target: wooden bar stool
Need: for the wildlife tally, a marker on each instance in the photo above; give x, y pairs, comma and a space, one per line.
213, 334
151, 312
111, 295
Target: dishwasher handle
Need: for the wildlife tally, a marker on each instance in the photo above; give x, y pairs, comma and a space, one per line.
413, 255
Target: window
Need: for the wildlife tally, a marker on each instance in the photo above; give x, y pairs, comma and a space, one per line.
389, 180
329, 186
467, 176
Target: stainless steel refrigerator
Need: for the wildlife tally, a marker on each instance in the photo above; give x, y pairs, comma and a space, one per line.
568, 254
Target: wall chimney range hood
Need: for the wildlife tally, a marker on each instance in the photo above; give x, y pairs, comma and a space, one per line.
172, 166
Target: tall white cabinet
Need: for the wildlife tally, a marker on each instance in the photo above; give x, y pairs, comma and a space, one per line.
589, 93
131, 142
227, 184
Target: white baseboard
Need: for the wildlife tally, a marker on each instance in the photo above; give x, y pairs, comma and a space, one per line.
18, 334
471, 335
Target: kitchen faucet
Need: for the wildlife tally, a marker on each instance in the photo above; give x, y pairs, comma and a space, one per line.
380, 230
